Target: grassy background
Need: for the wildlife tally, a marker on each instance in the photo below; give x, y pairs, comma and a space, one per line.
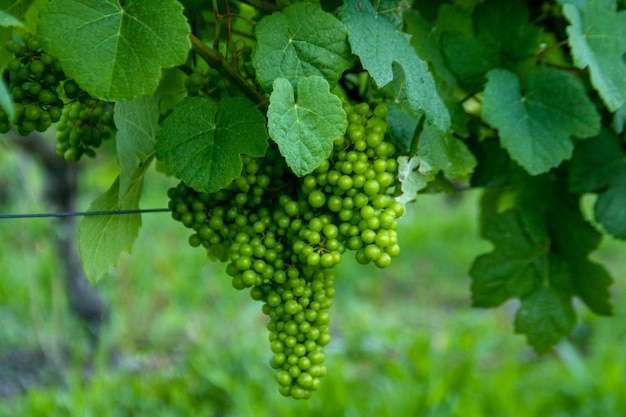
182, 342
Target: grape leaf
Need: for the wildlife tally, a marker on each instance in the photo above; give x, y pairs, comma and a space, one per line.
414, 175
6, 103
514, 268
300, 41
546, 316
504, 39
444, 152
577, 3
402, 123
103, 238
305, 128
610, 207
202, 140
619, 119
393, 11
115, 52
537, 128
597, 36
521, 268
492, 163
7, 20
136, 122
379, 44
573, 238
599, 165
25, 11
541, 256
426, 39
595, 162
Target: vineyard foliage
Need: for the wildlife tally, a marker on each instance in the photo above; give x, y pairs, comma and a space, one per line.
524, 99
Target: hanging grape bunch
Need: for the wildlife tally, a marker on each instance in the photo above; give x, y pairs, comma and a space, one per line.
33, 79
85, 123
281, 236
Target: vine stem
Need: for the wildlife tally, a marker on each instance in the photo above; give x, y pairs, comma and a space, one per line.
217, 62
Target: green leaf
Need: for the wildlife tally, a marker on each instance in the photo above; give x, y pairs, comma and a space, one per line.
444, 152
136, 122
619, 120
102, 239
25, 11
541, 256
378, 44
492, 163
393, 11
414, 176
504, 39
402, 123
610, 207
300, 41
514, 268
7, 20
426, 40
595, 162
6, 103
537, 128
546, 316
573, 238
306, 128
203, 140
115, 52
597, 36
599, 165
592, 284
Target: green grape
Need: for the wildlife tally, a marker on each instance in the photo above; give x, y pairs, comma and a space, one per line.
82, 128
204, 83
33, 78
194, 83
281, 236
5, 123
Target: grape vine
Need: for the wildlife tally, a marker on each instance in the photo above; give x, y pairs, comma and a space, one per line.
300, 131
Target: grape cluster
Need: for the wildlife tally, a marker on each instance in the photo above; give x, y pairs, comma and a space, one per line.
85, 122
33, 79
282, 235
204, 83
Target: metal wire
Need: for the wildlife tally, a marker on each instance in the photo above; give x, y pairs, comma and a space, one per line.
81, 213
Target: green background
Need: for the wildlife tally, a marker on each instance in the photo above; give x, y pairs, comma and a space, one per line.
182, 342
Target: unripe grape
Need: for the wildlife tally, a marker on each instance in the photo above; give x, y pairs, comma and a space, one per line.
283, 235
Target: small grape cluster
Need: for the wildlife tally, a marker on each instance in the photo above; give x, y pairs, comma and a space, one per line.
85, 122
204, 83
282, 235
33, 79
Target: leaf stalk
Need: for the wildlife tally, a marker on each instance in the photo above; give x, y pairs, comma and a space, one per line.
217, 62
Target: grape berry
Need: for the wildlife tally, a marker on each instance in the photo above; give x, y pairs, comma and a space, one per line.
33, 79
83, 127
282, 235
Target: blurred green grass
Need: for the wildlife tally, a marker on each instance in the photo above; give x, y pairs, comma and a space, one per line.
182, 342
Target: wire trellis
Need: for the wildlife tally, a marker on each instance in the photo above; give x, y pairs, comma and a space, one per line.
81, 213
